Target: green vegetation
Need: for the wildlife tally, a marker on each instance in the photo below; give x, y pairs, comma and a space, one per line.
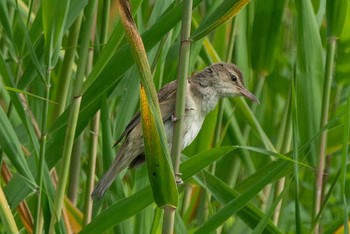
70, 74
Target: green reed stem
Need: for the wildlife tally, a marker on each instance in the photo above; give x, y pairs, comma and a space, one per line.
73, 115
324, 120
169, 214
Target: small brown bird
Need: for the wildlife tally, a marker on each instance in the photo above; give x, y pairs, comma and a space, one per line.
204, 89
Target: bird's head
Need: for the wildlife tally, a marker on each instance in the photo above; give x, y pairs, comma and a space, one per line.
226, 80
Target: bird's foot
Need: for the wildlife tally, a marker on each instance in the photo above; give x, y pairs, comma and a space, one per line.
178, 179
174, 118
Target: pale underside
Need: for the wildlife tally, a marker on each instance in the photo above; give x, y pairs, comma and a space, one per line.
192, 123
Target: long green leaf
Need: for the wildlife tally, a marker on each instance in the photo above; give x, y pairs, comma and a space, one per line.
12, 148
224, 12
158, 160
7, 78
265, 35
6, 215
161, 175
309, 74
112, 216
54, 20
238, 203
5, 22
250, 214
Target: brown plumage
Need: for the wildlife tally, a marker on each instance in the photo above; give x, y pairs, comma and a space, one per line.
204, 89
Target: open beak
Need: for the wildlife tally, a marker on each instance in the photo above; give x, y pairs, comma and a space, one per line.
248, 95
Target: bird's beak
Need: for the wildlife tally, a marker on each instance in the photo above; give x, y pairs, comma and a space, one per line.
248, 94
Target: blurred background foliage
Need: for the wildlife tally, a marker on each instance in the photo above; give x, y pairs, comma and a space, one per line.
277, 167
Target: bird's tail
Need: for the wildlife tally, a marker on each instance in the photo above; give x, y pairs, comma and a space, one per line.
107, 179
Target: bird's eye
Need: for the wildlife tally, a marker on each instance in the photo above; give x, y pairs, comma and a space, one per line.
233, 78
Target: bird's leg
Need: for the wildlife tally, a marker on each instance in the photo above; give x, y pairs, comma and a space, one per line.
178, 179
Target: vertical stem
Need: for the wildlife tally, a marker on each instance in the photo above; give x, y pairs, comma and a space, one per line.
168, 220
64, 76
94, 130
61, 97
96, 121
74, 170
283, 145
169, 213
181, 84
344, 164
91, 168
73, 116
324, 119
232, 40
39, 221
296, 144
105, 19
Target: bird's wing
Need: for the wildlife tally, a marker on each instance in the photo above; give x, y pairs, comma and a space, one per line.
165, 95
135, 120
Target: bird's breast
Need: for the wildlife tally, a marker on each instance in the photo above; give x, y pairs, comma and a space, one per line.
193, 124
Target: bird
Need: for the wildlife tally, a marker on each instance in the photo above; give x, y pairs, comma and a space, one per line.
204, 89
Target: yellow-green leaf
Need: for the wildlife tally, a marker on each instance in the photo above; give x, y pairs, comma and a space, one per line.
227, 10
160, 174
